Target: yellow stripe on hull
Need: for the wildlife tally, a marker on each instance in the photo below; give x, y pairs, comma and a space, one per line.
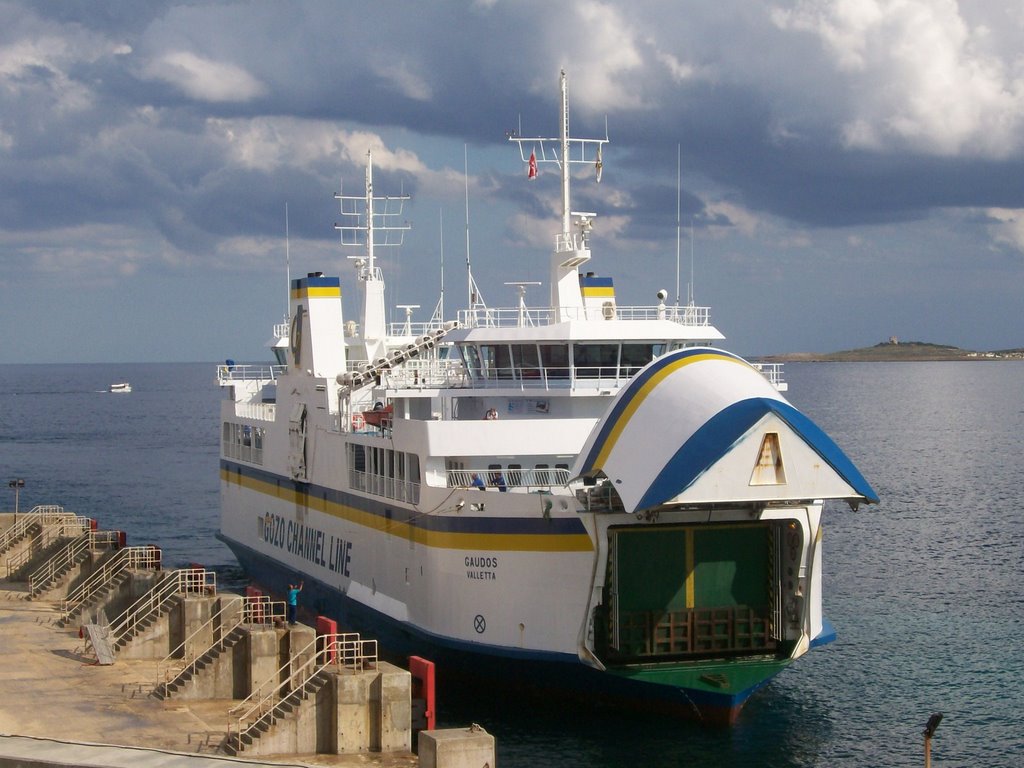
509, 542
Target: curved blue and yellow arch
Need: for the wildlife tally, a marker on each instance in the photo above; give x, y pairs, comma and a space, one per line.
684, 412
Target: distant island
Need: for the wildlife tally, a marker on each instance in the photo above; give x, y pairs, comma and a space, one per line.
895, 350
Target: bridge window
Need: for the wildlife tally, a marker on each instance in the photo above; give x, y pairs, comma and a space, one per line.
495, 361
636, 356
526, 360
595, 361
555, 359
471, 358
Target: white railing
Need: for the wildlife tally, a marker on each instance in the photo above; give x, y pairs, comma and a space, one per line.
251, 609
125, 559
181, 581
346, 651
229, 373
526, 477
67, 528
414, 329
772, 372
517, 317
41, 515
427, 374
63, 559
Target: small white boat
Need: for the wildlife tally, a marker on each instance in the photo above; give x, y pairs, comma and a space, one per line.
121, 386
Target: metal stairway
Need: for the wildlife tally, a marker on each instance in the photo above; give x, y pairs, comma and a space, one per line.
292, 688
47, 539
101, 583
149, 608
30, 523
52, 573
166, 690
287, 708
183, 665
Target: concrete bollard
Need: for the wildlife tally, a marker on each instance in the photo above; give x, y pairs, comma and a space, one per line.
469, 747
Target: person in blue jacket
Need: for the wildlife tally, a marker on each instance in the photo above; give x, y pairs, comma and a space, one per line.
293, 601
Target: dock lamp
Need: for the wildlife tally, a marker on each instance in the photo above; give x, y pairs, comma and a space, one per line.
17, 484
929, 731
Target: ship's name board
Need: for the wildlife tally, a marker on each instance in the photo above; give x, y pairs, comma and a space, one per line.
310, 543
482, 567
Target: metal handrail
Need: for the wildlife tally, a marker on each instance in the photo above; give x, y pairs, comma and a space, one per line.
74, 527
229, 373
513, 317
182, 580
42, 514
53, 566
255, 609
527, 477
771, 371
146, 556
345, 650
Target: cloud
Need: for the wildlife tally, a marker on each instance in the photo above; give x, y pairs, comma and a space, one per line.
40, 66
920, 76
1007, 227
204, 79
405, 80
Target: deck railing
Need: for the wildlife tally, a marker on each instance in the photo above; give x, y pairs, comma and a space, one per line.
246, 372
518, 317
529, 478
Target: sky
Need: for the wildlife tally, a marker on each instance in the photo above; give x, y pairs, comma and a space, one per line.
831, 173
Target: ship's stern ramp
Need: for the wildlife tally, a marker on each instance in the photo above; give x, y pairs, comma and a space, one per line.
702, 426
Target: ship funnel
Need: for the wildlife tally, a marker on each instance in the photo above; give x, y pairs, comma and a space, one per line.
316, 338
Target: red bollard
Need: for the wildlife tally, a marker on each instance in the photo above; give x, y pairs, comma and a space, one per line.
422, 672
325, 626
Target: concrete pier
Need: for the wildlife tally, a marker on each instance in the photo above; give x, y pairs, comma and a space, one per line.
51, 693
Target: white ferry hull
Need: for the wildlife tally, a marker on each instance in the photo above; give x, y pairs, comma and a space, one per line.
583, 498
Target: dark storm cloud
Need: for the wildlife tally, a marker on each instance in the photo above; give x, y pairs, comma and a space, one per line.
177, 131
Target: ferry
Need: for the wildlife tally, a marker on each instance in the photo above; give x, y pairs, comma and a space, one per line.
583, 498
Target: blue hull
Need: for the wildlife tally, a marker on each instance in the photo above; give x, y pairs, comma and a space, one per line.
521, 672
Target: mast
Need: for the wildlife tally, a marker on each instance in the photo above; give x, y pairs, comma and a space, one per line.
564, 144
679, 161
572, 243
372, 224
287, 268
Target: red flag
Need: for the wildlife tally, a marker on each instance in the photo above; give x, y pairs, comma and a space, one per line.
532, 173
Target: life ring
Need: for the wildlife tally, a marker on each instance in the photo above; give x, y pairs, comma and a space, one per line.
358, 422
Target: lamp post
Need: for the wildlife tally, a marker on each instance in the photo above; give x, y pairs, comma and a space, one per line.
17, 484
929, 731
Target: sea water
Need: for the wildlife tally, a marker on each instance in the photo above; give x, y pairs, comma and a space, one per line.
926, 588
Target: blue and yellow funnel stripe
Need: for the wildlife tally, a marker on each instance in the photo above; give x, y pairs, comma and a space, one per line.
592, 287
316, 287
